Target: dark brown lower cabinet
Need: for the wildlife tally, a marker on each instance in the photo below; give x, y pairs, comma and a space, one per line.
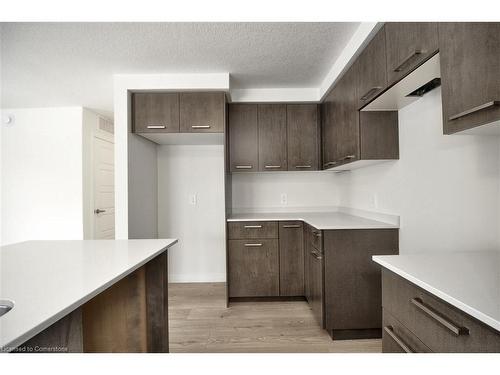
316, 285
396, 338
353, 300
291, 243
439, 326
253, 268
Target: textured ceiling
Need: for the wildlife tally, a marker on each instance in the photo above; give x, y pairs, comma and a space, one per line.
58, 64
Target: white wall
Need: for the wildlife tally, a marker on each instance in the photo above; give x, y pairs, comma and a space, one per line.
184, 171
303, 189
446, 188
41, 169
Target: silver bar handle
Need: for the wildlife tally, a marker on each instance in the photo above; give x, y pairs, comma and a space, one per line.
253, 245
370, 93
330, 163
470, 111
348, 157
291, 226
406, 61
200, 126
243, 166
445, 322
316, 255
302, 166
390, 331
252, 226
272, 166
156, 127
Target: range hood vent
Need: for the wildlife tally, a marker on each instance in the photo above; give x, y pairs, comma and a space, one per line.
411, 88
424, 89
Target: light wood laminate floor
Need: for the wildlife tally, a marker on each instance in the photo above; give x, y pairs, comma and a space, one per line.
200, 322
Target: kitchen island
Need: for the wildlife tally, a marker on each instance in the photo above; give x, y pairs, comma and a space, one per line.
85, 296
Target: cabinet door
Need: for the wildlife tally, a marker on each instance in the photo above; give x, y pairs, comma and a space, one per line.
272, 137
352, 280
202, 112
408, 45
330, 127
156, 112
372, 70
307, 252
302, 136
243, 138
291, 241
470, 78
316, 285
253, 268
347, 119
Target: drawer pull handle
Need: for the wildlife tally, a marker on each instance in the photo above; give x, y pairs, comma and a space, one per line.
348, 157
243, 167
156, 127
200, 126
253, 245
330, 163
390, 331
272, 166
302, 166
370, 93
475, 109
252, 226
317, 234
429, 311
406, 61
291, 226
316, 255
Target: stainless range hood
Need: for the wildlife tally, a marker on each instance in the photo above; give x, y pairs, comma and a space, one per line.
423, 79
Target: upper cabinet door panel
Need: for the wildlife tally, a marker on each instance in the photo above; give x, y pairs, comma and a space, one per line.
243, 138
329, 128
155, 112
302, 137
470, 74
372, 70
202, 112
408, 45
272, 137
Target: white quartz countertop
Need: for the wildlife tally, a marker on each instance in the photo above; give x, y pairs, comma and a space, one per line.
469, 281
319, 220
47, 280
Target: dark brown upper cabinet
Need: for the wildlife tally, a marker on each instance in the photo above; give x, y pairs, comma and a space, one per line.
372, 70
155, 112
202, 112
350, 135
303, 137
243, 138
408, 45
470, 74
272, 137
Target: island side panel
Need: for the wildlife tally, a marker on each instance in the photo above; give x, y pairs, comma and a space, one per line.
115, 320
64, 336
157, 304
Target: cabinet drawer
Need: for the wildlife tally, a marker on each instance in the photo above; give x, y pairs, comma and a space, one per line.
253, 268
440, 326
396, 338
252, 229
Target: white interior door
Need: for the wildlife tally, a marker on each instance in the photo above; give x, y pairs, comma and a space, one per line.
104, 188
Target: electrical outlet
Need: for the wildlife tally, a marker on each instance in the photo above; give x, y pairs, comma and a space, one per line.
284, 199
193, 199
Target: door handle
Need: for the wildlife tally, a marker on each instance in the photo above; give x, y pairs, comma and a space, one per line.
253, 245
406, 61
200, 126
370, 93
99, 211
433, 314
156, 127
475, 109
243, 167
390, 331
291, 226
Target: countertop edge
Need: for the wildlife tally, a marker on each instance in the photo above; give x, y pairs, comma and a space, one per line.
47, 323
486, 319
